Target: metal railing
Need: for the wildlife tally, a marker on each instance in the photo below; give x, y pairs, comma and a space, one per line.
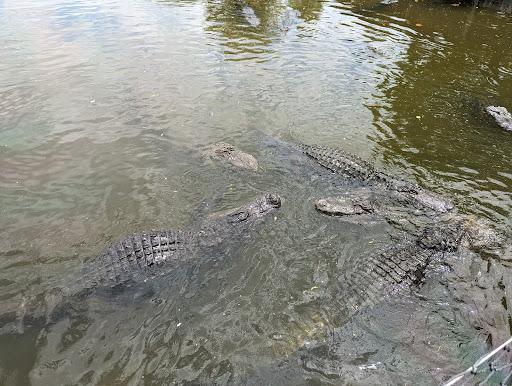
492, 362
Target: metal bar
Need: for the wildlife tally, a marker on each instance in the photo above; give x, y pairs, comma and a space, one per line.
474, 369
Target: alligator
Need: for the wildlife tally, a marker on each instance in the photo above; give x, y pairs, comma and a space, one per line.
144, 255
501, 116
248, 13
383, 275
376, 49
225, 152
401, 268
289, 19
351, 166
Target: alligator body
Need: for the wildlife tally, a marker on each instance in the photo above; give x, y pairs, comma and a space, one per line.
403, 267
348, 165
400, 268
147, 254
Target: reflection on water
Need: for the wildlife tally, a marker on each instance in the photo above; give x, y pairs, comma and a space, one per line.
434, 107
248, 30
105, 108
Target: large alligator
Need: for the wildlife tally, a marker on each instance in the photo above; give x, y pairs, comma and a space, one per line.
351, 166
395, 271
147, 254
402, 267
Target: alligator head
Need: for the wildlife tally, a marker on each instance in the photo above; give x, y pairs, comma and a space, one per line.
469, 231
239, 222
424, 198
414, 194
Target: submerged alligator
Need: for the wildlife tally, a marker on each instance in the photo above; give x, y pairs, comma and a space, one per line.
351, 166
288, 20
403, 267
134, 260
147, 254
248, 13
395, 271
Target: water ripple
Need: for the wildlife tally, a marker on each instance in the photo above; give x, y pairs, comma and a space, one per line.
106, 107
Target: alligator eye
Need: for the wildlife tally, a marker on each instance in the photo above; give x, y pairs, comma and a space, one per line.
274, 199
242, 216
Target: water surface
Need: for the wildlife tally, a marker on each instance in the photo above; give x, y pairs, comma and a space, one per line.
105, 109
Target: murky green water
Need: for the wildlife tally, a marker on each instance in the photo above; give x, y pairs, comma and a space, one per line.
105, 109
